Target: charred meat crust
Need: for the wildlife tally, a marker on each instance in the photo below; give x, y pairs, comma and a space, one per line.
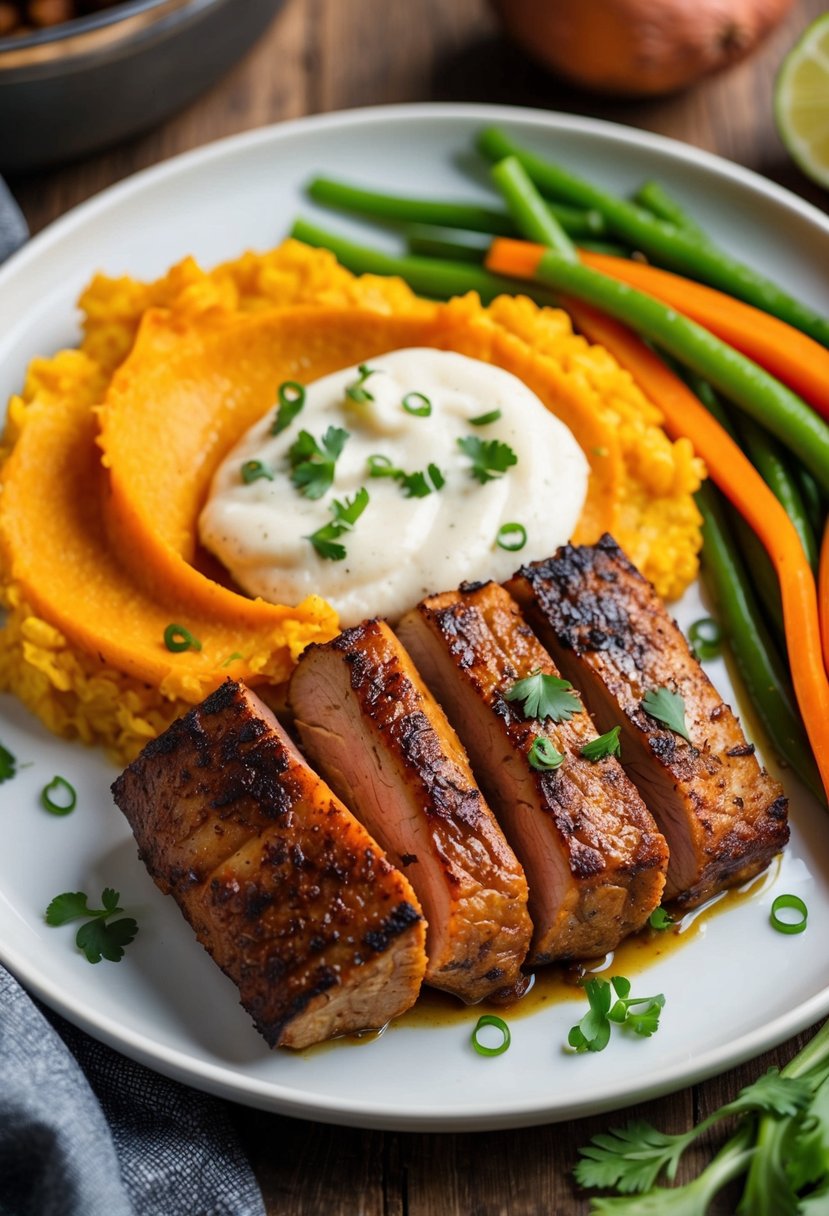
724, 817
596, 824
361, 691
288, 893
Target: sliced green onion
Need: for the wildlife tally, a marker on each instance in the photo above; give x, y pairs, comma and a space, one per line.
67, 794
542, 756
659, 919
490, 1019
511, 537
291, 397
381, 466
417, 404
705, 636
355, 391
796, 904
178, 638
253, 470
232, 658
485, 419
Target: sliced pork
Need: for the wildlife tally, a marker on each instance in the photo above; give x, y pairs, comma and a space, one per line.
608, 631
594, 859
286, 890
366, 719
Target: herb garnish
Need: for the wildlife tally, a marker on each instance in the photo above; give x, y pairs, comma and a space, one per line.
705, 637
355, 391
491, 1019
511, 537
312, 466
667, 707
485, 419
96, 938
415, 485
543, 756
178, 638
796, 904
66, 792
490, 458
254, 470
291, 397
660, 920
545, 697
325, 539
606, 745
417, 404
8, 764
593, 1031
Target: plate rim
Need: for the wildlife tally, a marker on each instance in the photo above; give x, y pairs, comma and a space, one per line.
263, 1093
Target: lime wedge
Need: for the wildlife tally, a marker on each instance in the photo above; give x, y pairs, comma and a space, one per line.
801, 101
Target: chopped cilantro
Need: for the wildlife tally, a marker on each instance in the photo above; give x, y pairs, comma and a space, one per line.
326, 539
490, 458
639, 1013
98, 937
312, 465
606, 745
667, 707
8, 764
545, 697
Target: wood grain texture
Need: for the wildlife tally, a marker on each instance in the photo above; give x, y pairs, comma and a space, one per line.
322, 55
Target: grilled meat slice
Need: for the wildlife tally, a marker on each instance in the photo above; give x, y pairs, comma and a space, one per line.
723, 816
594, 859
367, 720
284, 888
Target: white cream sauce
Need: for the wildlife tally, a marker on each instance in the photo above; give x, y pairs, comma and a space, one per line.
401, 548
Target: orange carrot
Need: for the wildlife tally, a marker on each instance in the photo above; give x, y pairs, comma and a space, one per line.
737, 478
823, 593
782, 350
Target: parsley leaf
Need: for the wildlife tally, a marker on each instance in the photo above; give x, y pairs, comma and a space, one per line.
414, 485
490, 458
8, 764
312, 466
326, 539
98, 937
660, 920
545, 697
543, 756
606, 745
639, 1013
667, 707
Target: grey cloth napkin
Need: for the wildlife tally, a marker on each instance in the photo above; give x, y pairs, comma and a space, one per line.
85, 1131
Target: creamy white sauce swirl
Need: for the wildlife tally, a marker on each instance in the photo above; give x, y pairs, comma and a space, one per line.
401, 548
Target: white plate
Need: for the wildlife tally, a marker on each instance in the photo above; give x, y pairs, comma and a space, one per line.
736, 989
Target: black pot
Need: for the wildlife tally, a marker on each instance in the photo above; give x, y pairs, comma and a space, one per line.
71, 89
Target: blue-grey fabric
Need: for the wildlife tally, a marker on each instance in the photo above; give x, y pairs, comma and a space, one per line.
85, 1131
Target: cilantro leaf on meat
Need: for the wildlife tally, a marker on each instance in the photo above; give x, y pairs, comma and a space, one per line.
667, 707
544, 696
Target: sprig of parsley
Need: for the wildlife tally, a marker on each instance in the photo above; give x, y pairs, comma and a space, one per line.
326, 539
667, 707
98, 937
545, 696
780, 1145
355, 392
606, 745
490, 458
639, 1013
312, 465
8, 764
414, 485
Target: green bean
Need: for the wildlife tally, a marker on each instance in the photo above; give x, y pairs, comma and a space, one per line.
758, 663
451, 243
812, 499
471, 216
432, 277
526, 206
608, 247
665, 243
655, 198
748, 386
771, 463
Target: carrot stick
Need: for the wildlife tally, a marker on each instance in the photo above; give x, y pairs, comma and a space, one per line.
782, 350
823, 592
737, 478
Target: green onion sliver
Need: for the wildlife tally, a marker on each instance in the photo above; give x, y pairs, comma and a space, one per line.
489, 1019
511, 537
178, 638
485, 419
417, 404
705, 636
67, 795
253, 470
291, 397
796, 904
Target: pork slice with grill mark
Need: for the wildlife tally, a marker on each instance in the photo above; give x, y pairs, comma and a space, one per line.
285, 889
722, 814
367, 720
594, 859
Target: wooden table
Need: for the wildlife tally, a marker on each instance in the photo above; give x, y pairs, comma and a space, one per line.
323, 55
